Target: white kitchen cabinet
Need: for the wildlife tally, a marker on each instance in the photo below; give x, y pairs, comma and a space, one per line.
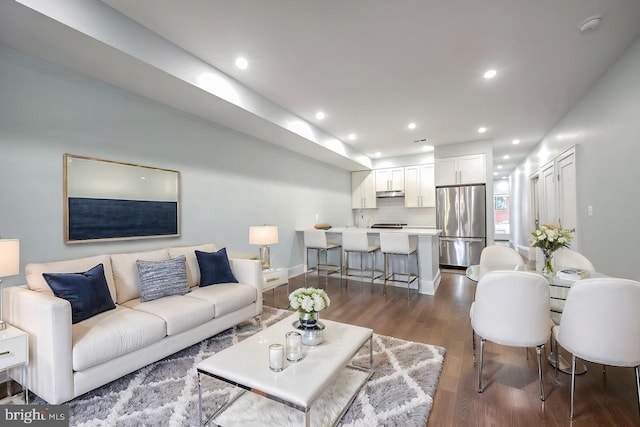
420, 189
468, 169
390, 179
363, 190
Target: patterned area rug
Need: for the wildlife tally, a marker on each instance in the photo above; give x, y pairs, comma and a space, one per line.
400, 393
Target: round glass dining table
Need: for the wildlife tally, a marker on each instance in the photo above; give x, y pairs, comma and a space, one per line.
558, 290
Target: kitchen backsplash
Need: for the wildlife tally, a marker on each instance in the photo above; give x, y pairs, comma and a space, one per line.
392, 211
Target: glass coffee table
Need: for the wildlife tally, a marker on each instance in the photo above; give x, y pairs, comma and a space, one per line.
300, 384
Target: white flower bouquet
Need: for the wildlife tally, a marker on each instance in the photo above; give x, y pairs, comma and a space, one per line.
549, 238
309, 300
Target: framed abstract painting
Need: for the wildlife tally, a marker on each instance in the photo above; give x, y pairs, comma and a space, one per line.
106, 200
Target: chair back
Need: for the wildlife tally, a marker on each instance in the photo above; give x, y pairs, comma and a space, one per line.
566, 258
355, 240
395, 243
601, 321
315, 239
499, 257
512, 308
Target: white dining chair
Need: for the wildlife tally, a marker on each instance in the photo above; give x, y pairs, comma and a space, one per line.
511, 308
317, 240
399, 245
500, 257
567, 258
357, 241
601, 324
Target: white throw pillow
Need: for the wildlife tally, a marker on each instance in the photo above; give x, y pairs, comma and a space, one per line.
125, 272
193, 270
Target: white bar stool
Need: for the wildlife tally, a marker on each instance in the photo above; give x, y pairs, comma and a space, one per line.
357, 241
398, 244
317, 240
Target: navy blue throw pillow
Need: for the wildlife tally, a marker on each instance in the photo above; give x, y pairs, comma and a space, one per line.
214, 268
87, 292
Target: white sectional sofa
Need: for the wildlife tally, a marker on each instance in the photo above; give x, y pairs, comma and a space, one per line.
67, 360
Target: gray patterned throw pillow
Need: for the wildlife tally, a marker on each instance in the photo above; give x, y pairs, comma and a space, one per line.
162, 278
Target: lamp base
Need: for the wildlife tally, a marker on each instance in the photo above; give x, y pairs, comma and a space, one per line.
265, 257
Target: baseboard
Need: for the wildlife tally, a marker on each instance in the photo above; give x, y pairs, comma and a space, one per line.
296, 270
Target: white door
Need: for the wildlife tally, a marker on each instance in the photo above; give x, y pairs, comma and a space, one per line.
535, 202
427, 186
471, 169
567, 194
446, 171
548, 205
412, 187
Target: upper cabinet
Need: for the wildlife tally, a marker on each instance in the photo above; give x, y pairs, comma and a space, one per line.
390, 179
363, 190
468, 169
420, 189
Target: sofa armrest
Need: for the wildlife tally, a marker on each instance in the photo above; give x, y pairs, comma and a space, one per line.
249, 272
47, 320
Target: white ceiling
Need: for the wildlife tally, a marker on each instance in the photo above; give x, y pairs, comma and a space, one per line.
373, 66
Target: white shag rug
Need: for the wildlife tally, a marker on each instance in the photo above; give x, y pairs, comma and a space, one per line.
165, 393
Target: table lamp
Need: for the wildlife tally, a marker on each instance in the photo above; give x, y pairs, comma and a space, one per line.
9, 265
264, 235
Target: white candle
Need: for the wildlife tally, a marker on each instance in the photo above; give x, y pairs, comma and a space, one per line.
294, 346
276, 357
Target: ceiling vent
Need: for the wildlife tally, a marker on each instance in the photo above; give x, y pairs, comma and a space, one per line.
421, 141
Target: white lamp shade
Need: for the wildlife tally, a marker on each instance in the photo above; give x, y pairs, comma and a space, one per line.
9, 257
263, 235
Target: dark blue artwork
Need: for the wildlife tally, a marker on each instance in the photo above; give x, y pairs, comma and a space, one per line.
91, 219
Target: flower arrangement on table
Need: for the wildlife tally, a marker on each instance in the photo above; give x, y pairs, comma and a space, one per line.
549, 238
309, 300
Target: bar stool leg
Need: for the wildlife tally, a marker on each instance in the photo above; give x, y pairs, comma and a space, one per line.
384, 273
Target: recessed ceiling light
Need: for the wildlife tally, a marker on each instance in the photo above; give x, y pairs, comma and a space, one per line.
482, 129
320, 115
242, 63
489, 74
427, 148
506, 157
499, 166
352, 137
495, 174
504, 177
378, 154
515, 142
411, 125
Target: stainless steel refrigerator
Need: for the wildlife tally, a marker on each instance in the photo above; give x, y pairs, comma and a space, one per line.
461, 215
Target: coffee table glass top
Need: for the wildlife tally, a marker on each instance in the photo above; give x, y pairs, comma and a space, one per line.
300, 383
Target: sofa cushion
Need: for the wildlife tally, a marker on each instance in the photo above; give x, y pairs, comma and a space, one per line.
112, 334
162, 278
227, 297
36, 282
87, 292
125, 272
193, 270
179, 312
214, 268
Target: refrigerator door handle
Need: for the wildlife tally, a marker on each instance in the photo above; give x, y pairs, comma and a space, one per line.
465, 239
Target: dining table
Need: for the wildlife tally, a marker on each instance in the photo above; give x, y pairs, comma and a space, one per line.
558, 291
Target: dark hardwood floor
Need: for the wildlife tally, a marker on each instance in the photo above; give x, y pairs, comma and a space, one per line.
511, 396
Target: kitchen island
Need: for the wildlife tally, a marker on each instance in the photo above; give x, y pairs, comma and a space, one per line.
428, 252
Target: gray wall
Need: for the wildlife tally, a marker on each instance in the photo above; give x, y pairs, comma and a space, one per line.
605, 127
229, 181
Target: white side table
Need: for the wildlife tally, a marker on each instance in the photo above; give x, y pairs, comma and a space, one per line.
14, 351
274, 278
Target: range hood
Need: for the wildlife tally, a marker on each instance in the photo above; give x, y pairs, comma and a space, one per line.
383, 194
